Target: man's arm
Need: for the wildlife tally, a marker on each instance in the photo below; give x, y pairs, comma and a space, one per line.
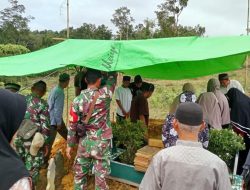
151, 179
142, 118
224, 181
45, 126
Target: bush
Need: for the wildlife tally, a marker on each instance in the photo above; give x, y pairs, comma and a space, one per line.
12, 49
129, 136
225, 143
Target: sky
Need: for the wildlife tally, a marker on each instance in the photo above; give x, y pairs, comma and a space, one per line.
219, 17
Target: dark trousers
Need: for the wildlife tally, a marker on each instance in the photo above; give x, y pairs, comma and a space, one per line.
53, 131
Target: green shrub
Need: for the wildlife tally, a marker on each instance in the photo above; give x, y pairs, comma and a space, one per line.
225, 143
12, 49
129, 136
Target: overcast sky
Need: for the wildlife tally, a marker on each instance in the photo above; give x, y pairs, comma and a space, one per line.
220, 17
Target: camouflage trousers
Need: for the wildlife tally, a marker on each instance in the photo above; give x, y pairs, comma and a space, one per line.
33, 163
96, 153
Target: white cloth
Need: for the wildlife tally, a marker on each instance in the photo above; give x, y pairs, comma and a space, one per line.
186, 166
125, 97
232, 84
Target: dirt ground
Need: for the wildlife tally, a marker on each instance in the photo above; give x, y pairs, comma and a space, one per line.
67, 180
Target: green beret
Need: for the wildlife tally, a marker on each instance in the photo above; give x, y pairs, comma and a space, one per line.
13, 86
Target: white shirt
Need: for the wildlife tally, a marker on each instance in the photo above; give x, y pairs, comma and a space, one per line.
125, 97
232, 84
186, 166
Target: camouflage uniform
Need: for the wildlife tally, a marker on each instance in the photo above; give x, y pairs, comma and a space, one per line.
94, 148
37, 111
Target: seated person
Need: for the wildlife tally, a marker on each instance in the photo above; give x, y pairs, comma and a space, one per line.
169, 135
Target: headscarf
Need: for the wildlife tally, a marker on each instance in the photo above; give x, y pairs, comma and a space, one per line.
213, 85
240, 107
211, 109
12, 110
240, 114
187, 87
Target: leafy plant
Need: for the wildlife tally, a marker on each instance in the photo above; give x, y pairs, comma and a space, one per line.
129, 136
225, 143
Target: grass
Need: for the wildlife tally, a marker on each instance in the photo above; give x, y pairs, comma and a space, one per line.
159, 103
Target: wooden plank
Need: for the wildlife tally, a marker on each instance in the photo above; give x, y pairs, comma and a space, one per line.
155, 143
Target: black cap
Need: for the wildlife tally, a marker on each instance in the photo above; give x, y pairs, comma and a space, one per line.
189, 113
126, 78
138, 79
13, 86
223, 76
64, 77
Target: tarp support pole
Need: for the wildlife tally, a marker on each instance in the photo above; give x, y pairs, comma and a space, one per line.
67, 104
246, 69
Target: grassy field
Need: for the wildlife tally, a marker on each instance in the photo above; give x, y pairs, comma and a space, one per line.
159, 102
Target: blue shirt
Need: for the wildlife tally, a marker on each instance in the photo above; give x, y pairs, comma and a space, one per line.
56, 104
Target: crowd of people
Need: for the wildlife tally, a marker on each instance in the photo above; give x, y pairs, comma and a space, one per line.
29, 126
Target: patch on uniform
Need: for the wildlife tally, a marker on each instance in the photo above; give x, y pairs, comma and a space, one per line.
73, 117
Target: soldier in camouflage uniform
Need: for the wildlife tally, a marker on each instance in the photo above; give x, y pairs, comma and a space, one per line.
37, 112
95, 146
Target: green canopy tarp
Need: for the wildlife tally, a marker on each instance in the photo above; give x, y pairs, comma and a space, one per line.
167, 58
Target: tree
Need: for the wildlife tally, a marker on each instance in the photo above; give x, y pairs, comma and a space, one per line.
91, 31
168, 14
13, 25
122, 19
145, 30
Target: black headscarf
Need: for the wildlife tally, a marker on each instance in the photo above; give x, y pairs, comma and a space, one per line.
240, 107
12, 110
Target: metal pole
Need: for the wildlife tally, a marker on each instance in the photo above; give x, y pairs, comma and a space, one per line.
248, 3
67, 18
67, 100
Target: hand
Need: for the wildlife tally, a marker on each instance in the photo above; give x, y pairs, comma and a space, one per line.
124, 113
127, 115
46, 151
68, 152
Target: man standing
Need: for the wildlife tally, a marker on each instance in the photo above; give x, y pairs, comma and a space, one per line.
56, 105
187, 165
13, 87
135, 86
123, 98
34, 149
227, 84
79, 82
90, 126
139, 107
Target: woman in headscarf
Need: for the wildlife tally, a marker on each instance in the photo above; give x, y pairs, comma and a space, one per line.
13, 174
169, 135
211, 109
240, 119
213, 85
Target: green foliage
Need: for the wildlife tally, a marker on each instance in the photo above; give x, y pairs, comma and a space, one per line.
13, 25
122, 19
130, 136
168, 14
12, 49
225, 143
